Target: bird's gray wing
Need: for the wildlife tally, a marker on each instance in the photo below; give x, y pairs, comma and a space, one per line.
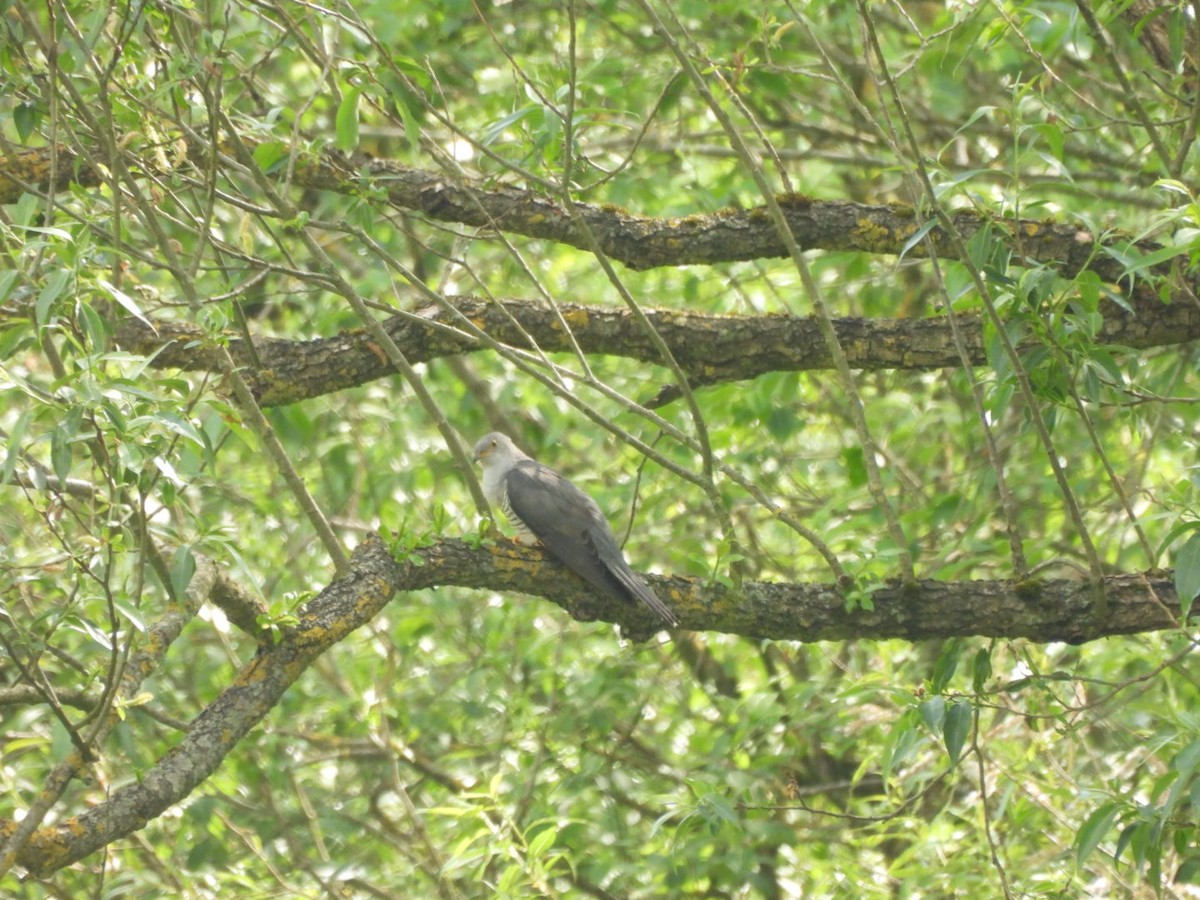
575, 532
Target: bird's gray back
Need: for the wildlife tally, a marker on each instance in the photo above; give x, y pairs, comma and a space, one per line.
542, 497
565, 519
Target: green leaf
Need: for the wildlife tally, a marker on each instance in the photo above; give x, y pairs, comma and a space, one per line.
1171, 185
8, 278
346, 122
933, 713
86, 626
1187, 760
1187, 573
183, 566
413, 69
1141, 262
1052, 134
944, 668
51, 291
1174, 534
270, 155
497, 128
1094, 829
26, 117
412, 129
917, 236
96, 327
944, 185
957, 727
173, 423
981, 669
1188, 872
782, 422
900, 743
978, 113
716, 810
1184, 767
125, 300
13, 446
856, 466
542, 842
988, 253
61, 439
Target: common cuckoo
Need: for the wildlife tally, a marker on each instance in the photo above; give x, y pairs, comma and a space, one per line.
543, 506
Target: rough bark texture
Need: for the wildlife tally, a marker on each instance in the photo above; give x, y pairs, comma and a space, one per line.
342, 607
710, 349
640, 242
1044, 610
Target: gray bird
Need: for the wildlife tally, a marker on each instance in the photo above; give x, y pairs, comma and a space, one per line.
543, 506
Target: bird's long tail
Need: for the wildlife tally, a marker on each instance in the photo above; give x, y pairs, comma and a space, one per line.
641, 590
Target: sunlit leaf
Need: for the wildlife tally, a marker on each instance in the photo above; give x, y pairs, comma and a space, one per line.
346, 124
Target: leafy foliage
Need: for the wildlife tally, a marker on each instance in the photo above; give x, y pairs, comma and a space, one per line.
469, 743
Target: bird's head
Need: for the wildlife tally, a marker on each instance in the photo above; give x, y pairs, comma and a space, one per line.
497, 449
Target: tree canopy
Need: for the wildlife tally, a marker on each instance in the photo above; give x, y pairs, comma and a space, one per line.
870, 326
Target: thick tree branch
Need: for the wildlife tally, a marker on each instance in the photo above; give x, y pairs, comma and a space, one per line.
711, 349
640, 242
342, 607
1043, 610
1048, 610
16, 837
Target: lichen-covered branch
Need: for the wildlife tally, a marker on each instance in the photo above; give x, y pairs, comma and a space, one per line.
1044, 611
342, 607
710, 349
640, 242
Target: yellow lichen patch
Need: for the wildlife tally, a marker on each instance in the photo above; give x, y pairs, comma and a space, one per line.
794, 200
52, 849
577, 317
871, 235
74, 826
505, 563
253, 674
668, 317
536, 219
1031, 229
293, 667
